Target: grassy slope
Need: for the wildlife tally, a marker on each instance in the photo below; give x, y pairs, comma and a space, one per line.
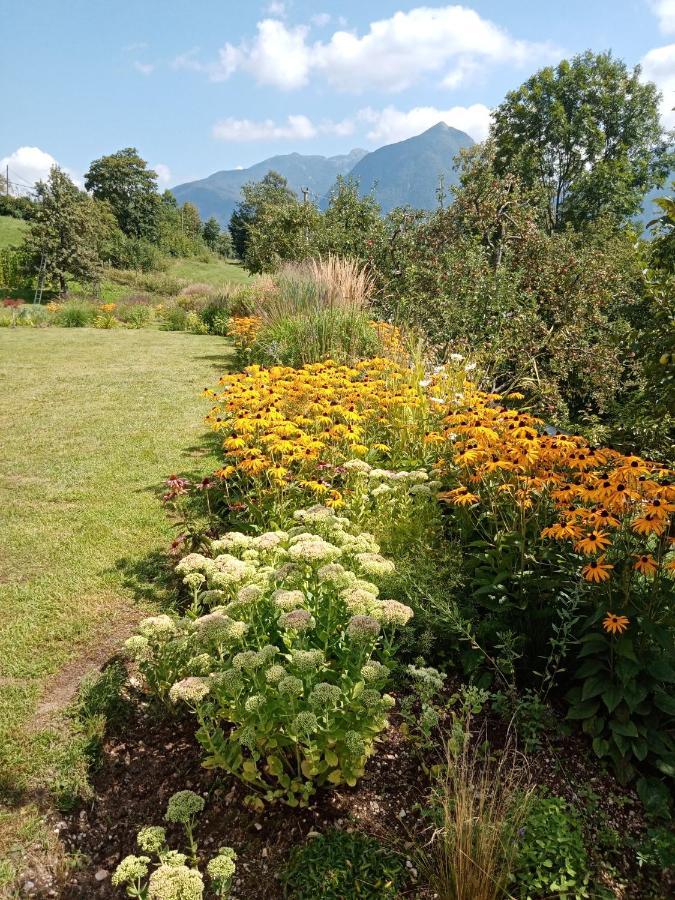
215, 273
92, 422
11, 231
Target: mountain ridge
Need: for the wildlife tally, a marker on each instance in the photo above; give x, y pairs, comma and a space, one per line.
403, 173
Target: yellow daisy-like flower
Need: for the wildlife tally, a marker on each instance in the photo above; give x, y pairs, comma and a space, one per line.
614, 624
593, 542
646, 565
597, 570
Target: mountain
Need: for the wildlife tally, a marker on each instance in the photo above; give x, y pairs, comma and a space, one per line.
218, 194
408, 172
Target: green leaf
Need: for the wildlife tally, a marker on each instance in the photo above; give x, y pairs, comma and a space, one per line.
662, 670
583, 710
624, 647
665, 702
594, 686
627, 729
612, 696
600, 746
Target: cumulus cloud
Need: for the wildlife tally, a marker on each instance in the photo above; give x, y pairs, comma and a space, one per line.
390, 124
658, 65
665, 13
298, 128
163, 174
276, 8
392, 55
27, 165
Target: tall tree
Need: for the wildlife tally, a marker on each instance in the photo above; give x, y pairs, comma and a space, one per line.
69, 229
587, 132
211, 232
191, 220
272, 190
124, 180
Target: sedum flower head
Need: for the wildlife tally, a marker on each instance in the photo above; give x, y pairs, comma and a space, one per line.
248, 660
230, 570
306, 661
270, 540
249, 594
183, 806
174, 858
359, 601
175, 883
361, 543
325, 695
314, 550
189, 690
212, 598
357, 465
157, 626
222, 867
233, 540
305, 723
137, 647
274, 674
374, 671
370, 698
297, 620
363, 629
131, 869
354, 743
151, 838
392, 612
194, 580
374, 565
231, 681
287, 600
194, 562
254, 703
201, 665
216, 626
290, 686
335, 574
316, 513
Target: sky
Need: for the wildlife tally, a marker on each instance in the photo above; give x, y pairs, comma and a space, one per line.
211, 84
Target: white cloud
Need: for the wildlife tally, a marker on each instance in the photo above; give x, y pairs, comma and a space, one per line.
163, 174
658, 65
30, 164
320, 20
391, 55
664, 10
276, 8
390, 124
144, 68
297, 128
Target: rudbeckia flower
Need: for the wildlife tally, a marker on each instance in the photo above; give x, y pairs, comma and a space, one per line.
597, 570
614, 624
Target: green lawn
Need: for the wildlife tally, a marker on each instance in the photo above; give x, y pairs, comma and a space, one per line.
92, 422
11, 231
215, 273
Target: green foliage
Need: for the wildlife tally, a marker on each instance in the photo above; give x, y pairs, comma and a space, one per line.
338, 864
75, 314
174, 875
624, 699
70, 229
588, 134
258, 197
551, 858
293, 649
211, 233
124, 181
528, 713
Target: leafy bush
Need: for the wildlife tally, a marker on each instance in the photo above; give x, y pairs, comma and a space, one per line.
135, 315
291, 654
174, 319
75, 314
551, 857
338, 864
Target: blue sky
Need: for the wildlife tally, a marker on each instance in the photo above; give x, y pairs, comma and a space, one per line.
207, 85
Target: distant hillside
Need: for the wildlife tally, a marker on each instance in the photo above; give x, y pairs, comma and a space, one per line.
408, 173
218, 194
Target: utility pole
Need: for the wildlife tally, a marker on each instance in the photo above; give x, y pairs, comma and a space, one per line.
305, 193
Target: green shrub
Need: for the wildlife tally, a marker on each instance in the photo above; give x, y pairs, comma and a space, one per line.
291, 654
338, 865
551, 860
135, 315
75, 314
174, 319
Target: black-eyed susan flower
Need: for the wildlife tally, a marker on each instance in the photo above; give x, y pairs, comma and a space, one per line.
646, 565
597, 570
614, 624
593, 542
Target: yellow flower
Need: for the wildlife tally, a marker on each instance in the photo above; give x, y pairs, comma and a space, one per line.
592, 542
646, 565
597, 570
614, 624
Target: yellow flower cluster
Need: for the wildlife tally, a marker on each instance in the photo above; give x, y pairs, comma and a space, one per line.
391, 339
598, 494
282, 424
244, 330
107, 307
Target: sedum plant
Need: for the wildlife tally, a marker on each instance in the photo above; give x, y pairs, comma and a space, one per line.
174, 875
282, 656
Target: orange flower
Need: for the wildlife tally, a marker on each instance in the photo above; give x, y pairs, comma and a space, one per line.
646, 565
594, 541
614, 624
648, 524
597, 570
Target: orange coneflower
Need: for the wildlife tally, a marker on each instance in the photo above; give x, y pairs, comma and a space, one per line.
648, 524
646, 565
615, 624
594, 541
597, 570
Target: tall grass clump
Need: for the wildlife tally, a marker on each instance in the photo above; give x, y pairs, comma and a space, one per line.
480, 804
75, 314
315, 310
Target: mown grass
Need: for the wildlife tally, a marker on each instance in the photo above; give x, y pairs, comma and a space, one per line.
12, 231
216, 272
92, 422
